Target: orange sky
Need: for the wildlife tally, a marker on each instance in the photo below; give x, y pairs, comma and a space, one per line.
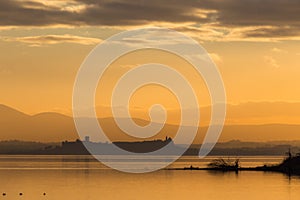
39, 57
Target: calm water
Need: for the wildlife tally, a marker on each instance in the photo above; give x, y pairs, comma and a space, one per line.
80, 177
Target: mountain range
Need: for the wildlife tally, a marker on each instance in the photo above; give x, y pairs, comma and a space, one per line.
55, 127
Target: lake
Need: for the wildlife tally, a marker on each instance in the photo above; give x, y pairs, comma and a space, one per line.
81, 177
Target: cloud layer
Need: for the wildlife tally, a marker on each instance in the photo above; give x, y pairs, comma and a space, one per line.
215, 18
54, 39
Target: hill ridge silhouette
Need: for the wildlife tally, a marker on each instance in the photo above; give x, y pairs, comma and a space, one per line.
55, 127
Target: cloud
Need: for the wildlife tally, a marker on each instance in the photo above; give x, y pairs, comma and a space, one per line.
213, 32
253, 18
277, 50
256, 12
275, 32
89, 12
216, 58
54, 39
271, 61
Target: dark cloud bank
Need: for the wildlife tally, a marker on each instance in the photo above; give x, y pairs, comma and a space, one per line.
282, 15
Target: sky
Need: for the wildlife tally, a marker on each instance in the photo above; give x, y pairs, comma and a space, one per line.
255, 45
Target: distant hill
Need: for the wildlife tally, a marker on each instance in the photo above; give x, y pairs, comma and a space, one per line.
55, 127
41, 127
237, 114
17, 147
231, 148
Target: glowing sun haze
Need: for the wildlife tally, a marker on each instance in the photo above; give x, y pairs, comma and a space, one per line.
255, 44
